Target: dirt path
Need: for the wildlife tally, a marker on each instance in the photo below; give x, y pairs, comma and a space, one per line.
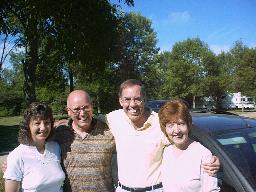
247, 114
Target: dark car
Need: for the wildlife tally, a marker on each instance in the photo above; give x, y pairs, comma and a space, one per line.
232, 139
155, 105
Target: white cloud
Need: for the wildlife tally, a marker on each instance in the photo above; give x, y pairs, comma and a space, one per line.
179, 17
222, 33
252, 45
217, 49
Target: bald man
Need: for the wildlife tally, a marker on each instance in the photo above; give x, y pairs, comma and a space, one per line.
87, 147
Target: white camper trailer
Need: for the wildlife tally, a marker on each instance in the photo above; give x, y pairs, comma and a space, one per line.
237, 101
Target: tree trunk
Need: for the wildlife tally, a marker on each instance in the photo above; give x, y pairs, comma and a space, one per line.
31, 59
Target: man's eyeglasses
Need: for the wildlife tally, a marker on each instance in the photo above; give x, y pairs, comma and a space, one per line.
77, 110
128, 100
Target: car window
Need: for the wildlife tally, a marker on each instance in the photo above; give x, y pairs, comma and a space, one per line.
155, 105
241, 148
252, 137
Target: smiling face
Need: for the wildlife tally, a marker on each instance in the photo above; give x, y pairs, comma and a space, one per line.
132, 101
178, 133
79, 109
176, 122
40, 129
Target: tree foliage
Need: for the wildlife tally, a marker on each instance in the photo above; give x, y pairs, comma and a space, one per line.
92, 45
134, 57
192, 71
82, 32
11, 88
137, 45
243, 60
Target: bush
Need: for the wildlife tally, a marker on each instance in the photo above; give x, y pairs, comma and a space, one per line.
55, 99
10, 104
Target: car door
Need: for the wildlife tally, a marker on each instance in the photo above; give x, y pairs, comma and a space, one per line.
231, 179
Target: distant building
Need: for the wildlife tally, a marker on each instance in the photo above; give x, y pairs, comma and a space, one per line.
237, 101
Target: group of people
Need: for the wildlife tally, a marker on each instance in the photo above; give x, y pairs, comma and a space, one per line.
153, 151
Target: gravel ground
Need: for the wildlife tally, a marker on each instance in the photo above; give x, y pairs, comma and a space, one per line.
247, 114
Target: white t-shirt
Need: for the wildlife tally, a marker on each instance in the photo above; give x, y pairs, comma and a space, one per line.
139, 153
37, 172
184, 173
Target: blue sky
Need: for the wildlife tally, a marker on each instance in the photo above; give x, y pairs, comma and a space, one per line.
219, 23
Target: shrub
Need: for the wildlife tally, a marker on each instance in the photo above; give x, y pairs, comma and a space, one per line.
10, 104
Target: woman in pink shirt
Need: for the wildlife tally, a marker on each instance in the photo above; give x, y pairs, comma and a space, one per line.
181, 165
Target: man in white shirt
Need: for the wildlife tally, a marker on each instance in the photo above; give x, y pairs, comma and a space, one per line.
139, 141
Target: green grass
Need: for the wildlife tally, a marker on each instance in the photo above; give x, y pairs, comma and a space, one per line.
8, 133
1, 182
10, 121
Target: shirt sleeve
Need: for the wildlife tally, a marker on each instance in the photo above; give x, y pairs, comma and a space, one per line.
209, 183
14, 169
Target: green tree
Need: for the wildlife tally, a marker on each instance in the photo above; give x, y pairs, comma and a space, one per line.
11, 87
133, 56
155, 76
243, 61
193, 71
214, 83
83, 29
137, 46
185, 69
181, 80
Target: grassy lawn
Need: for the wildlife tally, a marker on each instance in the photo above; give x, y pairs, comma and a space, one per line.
1, 182
8, 133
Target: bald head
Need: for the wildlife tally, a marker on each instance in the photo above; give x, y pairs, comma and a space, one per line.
78, 95
79, 108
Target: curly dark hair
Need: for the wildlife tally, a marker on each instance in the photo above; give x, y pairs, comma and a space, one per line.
172, 111
34, 110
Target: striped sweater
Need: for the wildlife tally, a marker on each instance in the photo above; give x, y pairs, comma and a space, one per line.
87, 162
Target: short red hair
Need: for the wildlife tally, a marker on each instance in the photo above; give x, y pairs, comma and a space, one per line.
172, 111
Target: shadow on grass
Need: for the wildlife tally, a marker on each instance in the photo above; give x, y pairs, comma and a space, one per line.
8, 138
